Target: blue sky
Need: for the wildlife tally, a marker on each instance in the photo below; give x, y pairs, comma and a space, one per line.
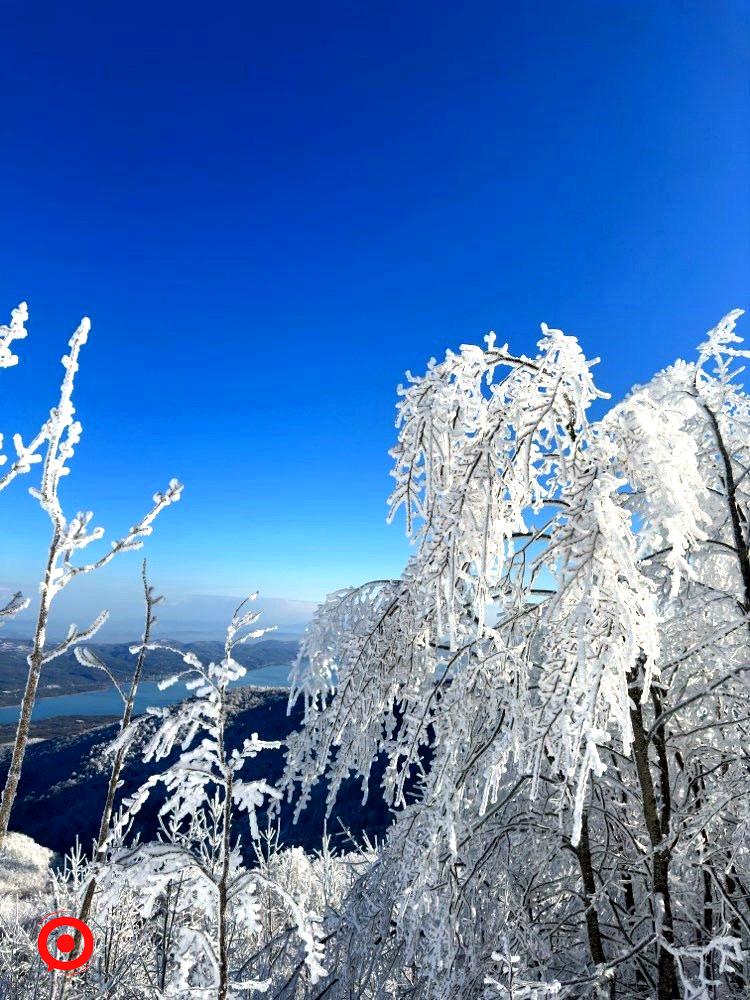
271, 212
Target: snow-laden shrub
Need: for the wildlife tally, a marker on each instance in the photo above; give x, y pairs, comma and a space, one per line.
195, 872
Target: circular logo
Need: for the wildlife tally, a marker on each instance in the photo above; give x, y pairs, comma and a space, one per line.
65, 943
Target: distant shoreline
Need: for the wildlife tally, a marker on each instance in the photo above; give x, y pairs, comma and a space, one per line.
100, 688
107, 702
78, 717
65, 676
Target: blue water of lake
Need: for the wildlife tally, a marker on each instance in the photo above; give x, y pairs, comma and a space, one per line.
109, 702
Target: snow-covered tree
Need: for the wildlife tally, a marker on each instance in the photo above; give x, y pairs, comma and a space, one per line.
58, 439
197, 868
558, 683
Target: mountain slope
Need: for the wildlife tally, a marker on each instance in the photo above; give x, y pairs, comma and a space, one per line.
64, 781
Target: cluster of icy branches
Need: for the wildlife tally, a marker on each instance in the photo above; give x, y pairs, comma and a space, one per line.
183, 916
186, 915
154, 939
558, 683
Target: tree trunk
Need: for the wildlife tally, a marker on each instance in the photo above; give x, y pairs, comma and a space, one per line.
734, 894
223, 956
743, 556
667, 973
226, 840
743, 561
583, 853
36, 659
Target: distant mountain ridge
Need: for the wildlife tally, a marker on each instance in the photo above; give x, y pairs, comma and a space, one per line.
65, 675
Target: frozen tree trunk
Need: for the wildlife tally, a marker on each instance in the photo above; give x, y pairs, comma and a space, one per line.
226, 848
593, 930
657, 827
36, 660
223, 884
735, 515
737, 519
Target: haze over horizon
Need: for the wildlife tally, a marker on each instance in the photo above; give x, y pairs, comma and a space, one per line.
190, 617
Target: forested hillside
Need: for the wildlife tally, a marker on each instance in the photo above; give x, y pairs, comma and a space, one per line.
66, 675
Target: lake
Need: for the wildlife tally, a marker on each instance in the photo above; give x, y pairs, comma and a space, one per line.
108, 702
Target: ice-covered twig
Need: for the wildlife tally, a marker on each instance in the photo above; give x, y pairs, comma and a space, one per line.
88, 658
16, 604
74, 636
78, 537
16, 330
62, 432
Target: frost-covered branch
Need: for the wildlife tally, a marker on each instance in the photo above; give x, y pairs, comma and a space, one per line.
205, 792
15, 605
60, 435
75, 636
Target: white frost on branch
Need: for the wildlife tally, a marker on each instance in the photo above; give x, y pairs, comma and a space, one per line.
572, 627
59, 438
205, 793
16, 330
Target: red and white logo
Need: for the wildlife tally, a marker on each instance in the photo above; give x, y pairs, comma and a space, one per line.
61, 951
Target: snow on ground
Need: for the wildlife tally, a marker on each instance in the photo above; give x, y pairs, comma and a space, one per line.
24, 876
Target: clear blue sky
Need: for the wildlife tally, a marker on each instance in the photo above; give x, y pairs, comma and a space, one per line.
271, 211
